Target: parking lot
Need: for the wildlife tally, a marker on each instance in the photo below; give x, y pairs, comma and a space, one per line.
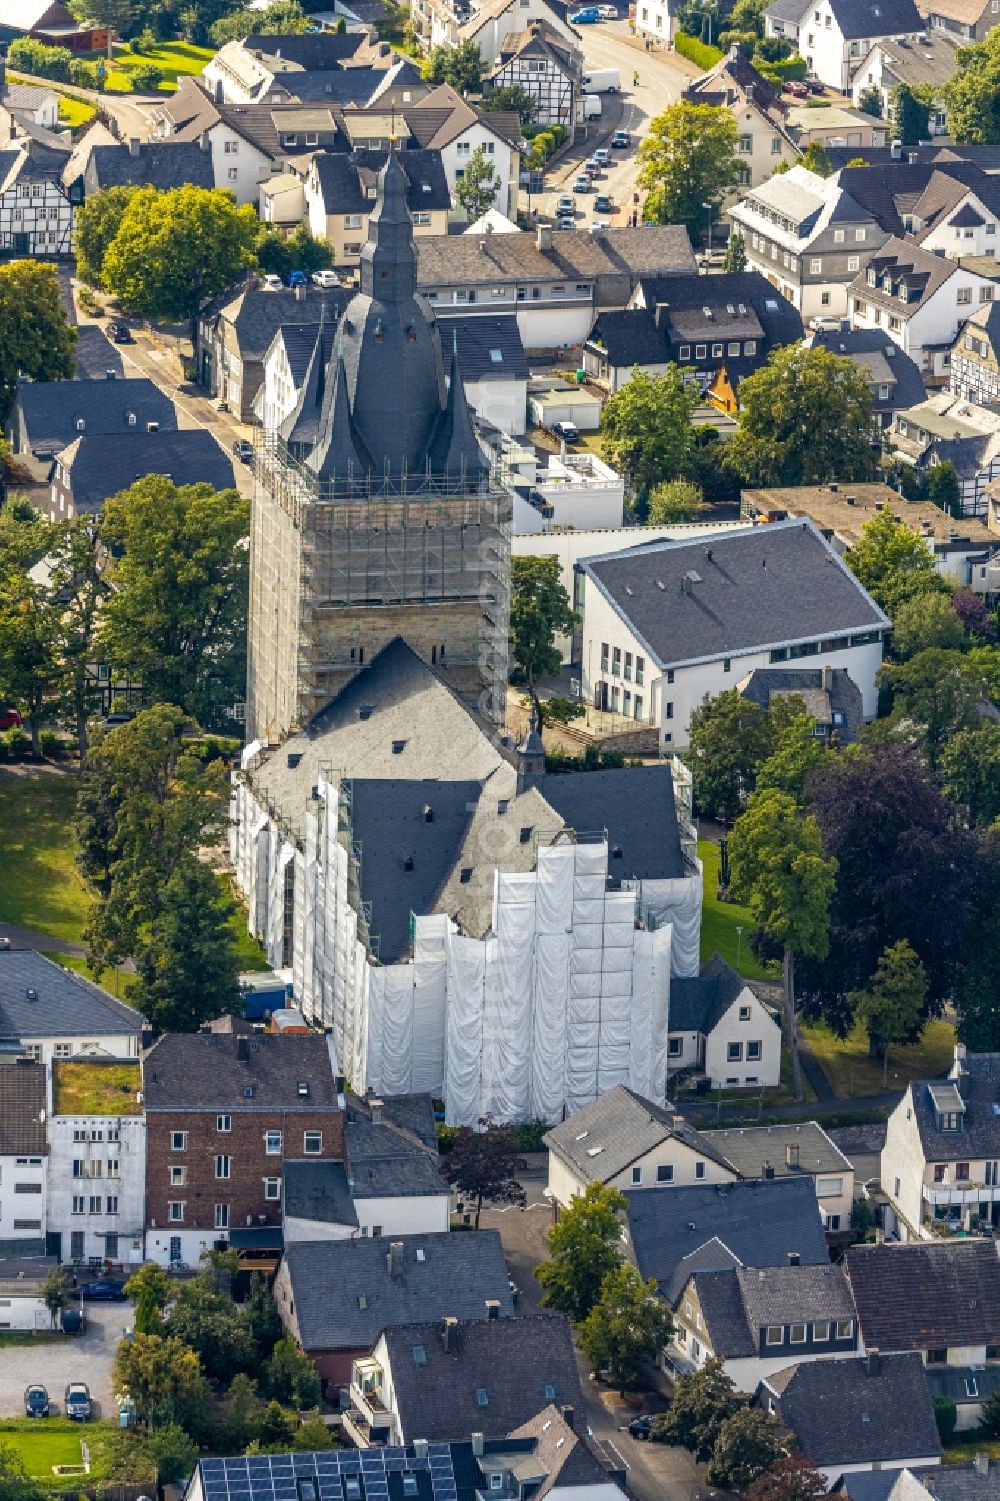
82, 1357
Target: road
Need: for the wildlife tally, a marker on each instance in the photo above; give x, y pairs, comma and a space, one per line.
662, 78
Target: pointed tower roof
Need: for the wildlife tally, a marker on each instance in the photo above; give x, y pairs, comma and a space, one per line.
388, 259
339, 452
300, 428
455, 449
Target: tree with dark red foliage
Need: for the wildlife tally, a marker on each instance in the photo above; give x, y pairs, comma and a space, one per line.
794, 1478
906, 870
972, 612
484, 1164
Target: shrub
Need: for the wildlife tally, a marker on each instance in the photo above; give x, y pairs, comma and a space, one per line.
84, 73
18, 743
788, 67
946, 1417
697, 52
146, 78
31, 56
51, 745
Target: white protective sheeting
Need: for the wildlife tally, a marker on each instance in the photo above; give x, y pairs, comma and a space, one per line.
678, 903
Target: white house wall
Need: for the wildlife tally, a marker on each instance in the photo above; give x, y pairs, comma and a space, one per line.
762, 1028
127, 1187
406, 1214
22, 1197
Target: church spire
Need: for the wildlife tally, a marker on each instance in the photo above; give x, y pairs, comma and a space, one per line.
301, 426
340, 453
455, 449
388, 259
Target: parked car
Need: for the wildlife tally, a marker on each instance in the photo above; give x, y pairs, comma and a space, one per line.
824, 323
608, 12
296, 278
602, 157
566, 204
813, 84
640, 1426
120, 333
243, 450
600, 224
602, 204
104, 1290
77, 1401
568, 431
794, 87
586, 17
325, 279
71, 1320
273, 283
36, 1401
582, 184
592, 167
620, 139
565, 221
10, 719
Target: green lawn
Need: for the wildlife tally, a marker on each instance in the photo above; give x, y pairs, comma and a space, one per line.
719, 921
41, 1443
74, 113
851, 1071
40, 886
961, 1453
174, 60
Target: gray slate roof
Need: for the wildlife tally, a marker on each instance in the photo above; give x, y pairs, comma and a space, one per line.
883, 362
205, 1071
605, 1137
863, 18
344, 1295
102, 465
64, 1004
48, 412
458, 260
738, 1305
756, 1223
699, 1002
344, 179
758, 588
480, 340
521, 1364
750, 1148
980, 1134
959, 1482
318, 1191
22, 1110
155, 164
927, 1295
257, 315
398, 1156
842, 1415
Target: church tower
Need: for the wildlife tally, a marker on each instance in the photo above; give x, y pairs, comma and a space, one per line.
375, 513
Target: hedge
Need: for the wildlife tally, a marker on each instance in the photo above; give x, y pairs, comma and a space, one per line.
699, 53
789, 67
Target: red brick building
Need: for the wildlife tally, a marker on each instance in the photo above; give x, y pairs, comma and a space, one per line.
224, 1113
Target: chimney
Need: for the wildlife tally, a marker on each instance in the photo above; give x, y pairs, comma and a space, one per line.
340, 1084
768, 1172
477, 1445
492, 1310
982, 1463
204, 141
420, 1448
827, 679
794, 1258
449, 1329
543, 238
375, 1106
133, 145
873, 1361
394, 1258
792, 1154
242, 1050
568, 1416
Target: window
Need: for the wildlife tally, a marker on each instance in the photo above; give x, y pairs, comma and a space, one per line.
821, 1330
178, 1177
734, 1052
838, 237
272, 1188
674, 1046
684, 353
845, 1328
717, 351
233, 174
961, 1172
853, 262
272, 1143
833, 1222
963, 295
971, 1386
312, 138
114, 1167
815, 267
178, 1141
352, 221
175, 1211
222, 1164
27, 1188
669, 711
699, 1170
312, 1143
744, 1013
636, 1176
231, 148
750, 347
775, 1335
421, 216
222, 1216
700, 351
859, 234
755, 1051
79, 1204
985, 294
937, 1357
727, 664
950, 1119
665, 1173
732, 350
797, 1334
775, 145
62, 1050
223, 1123
94, 1206
829, 1188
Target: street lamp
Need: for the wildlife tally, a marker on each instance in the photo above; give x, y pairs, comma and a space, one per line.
709, 208
739, 941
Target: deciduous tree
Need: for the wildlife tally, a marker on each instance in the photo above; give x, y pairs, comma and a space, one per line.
969, 767
165, 1380
893, 1005
57, 1291
188, 966
29, 646
476, 189
524, 105
151, 1290
702, 1402
647, 427
924, 621
795, 752
780, 872
284, 18
212, 1325
461, 66
290, 1375
806, 417
79, 589
749, 1442
736, 253
584, 1247
281, 254
539, 611
97, 222
893, 562
484, 1165
972, 94
679, 500
687, 159
626, 1327
727, 740
37, 341
936, 691
792, 1479
15, 1482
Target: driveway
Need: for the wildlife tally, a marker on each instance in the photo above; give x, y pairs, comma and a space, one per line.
86, 1357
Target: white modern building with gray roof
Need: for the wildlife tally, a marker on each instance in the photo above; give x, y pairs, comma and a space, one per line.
55, 1013
668, 623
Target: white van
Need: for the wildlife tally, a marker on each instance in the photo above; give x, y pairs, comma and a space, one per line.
591, 107
602, 81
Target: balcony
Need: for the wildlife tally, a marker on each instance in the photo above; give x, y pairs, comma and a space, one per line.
365, 1433
961, 1194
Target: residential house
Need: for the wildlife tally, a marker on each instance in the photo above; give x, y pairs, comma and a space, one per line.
719, 1028
161, 164
544, 1457
666, 623
23, 104
961, 21
808, 236
723, 329
494, 367
835, 35
926, 62
761, 115
943, 199
336, 1296
893, 378
244, 71
459, 1376
395, 1178
36, 215
946, 427
95, 466
547, 65
51, 22
920, 299
863, 1414
793, 1150
716, 1227
941, 1160
488, 26
556, 283
836, 125
47, 416
830, 696
54, 1013
317, 1202
235, 333
757, 1319
941, 1299
970, 1480
975, 358
96, 1191
961, 549
340, 194
223, 1115
24, 1157
625, 1141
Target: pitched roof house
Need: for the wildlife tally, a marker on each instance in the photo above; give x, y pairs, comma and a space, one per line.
547, 65
971, 1480
47, 416
235, 332
395, 1177
831, 699
340, 195
149, 164
919, 298
793, 1150
95, 466
761, 115
718, 1026
335, 1297
55, 1013
893, 377
927, 61
834, 35
626, 1141
864, 1414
